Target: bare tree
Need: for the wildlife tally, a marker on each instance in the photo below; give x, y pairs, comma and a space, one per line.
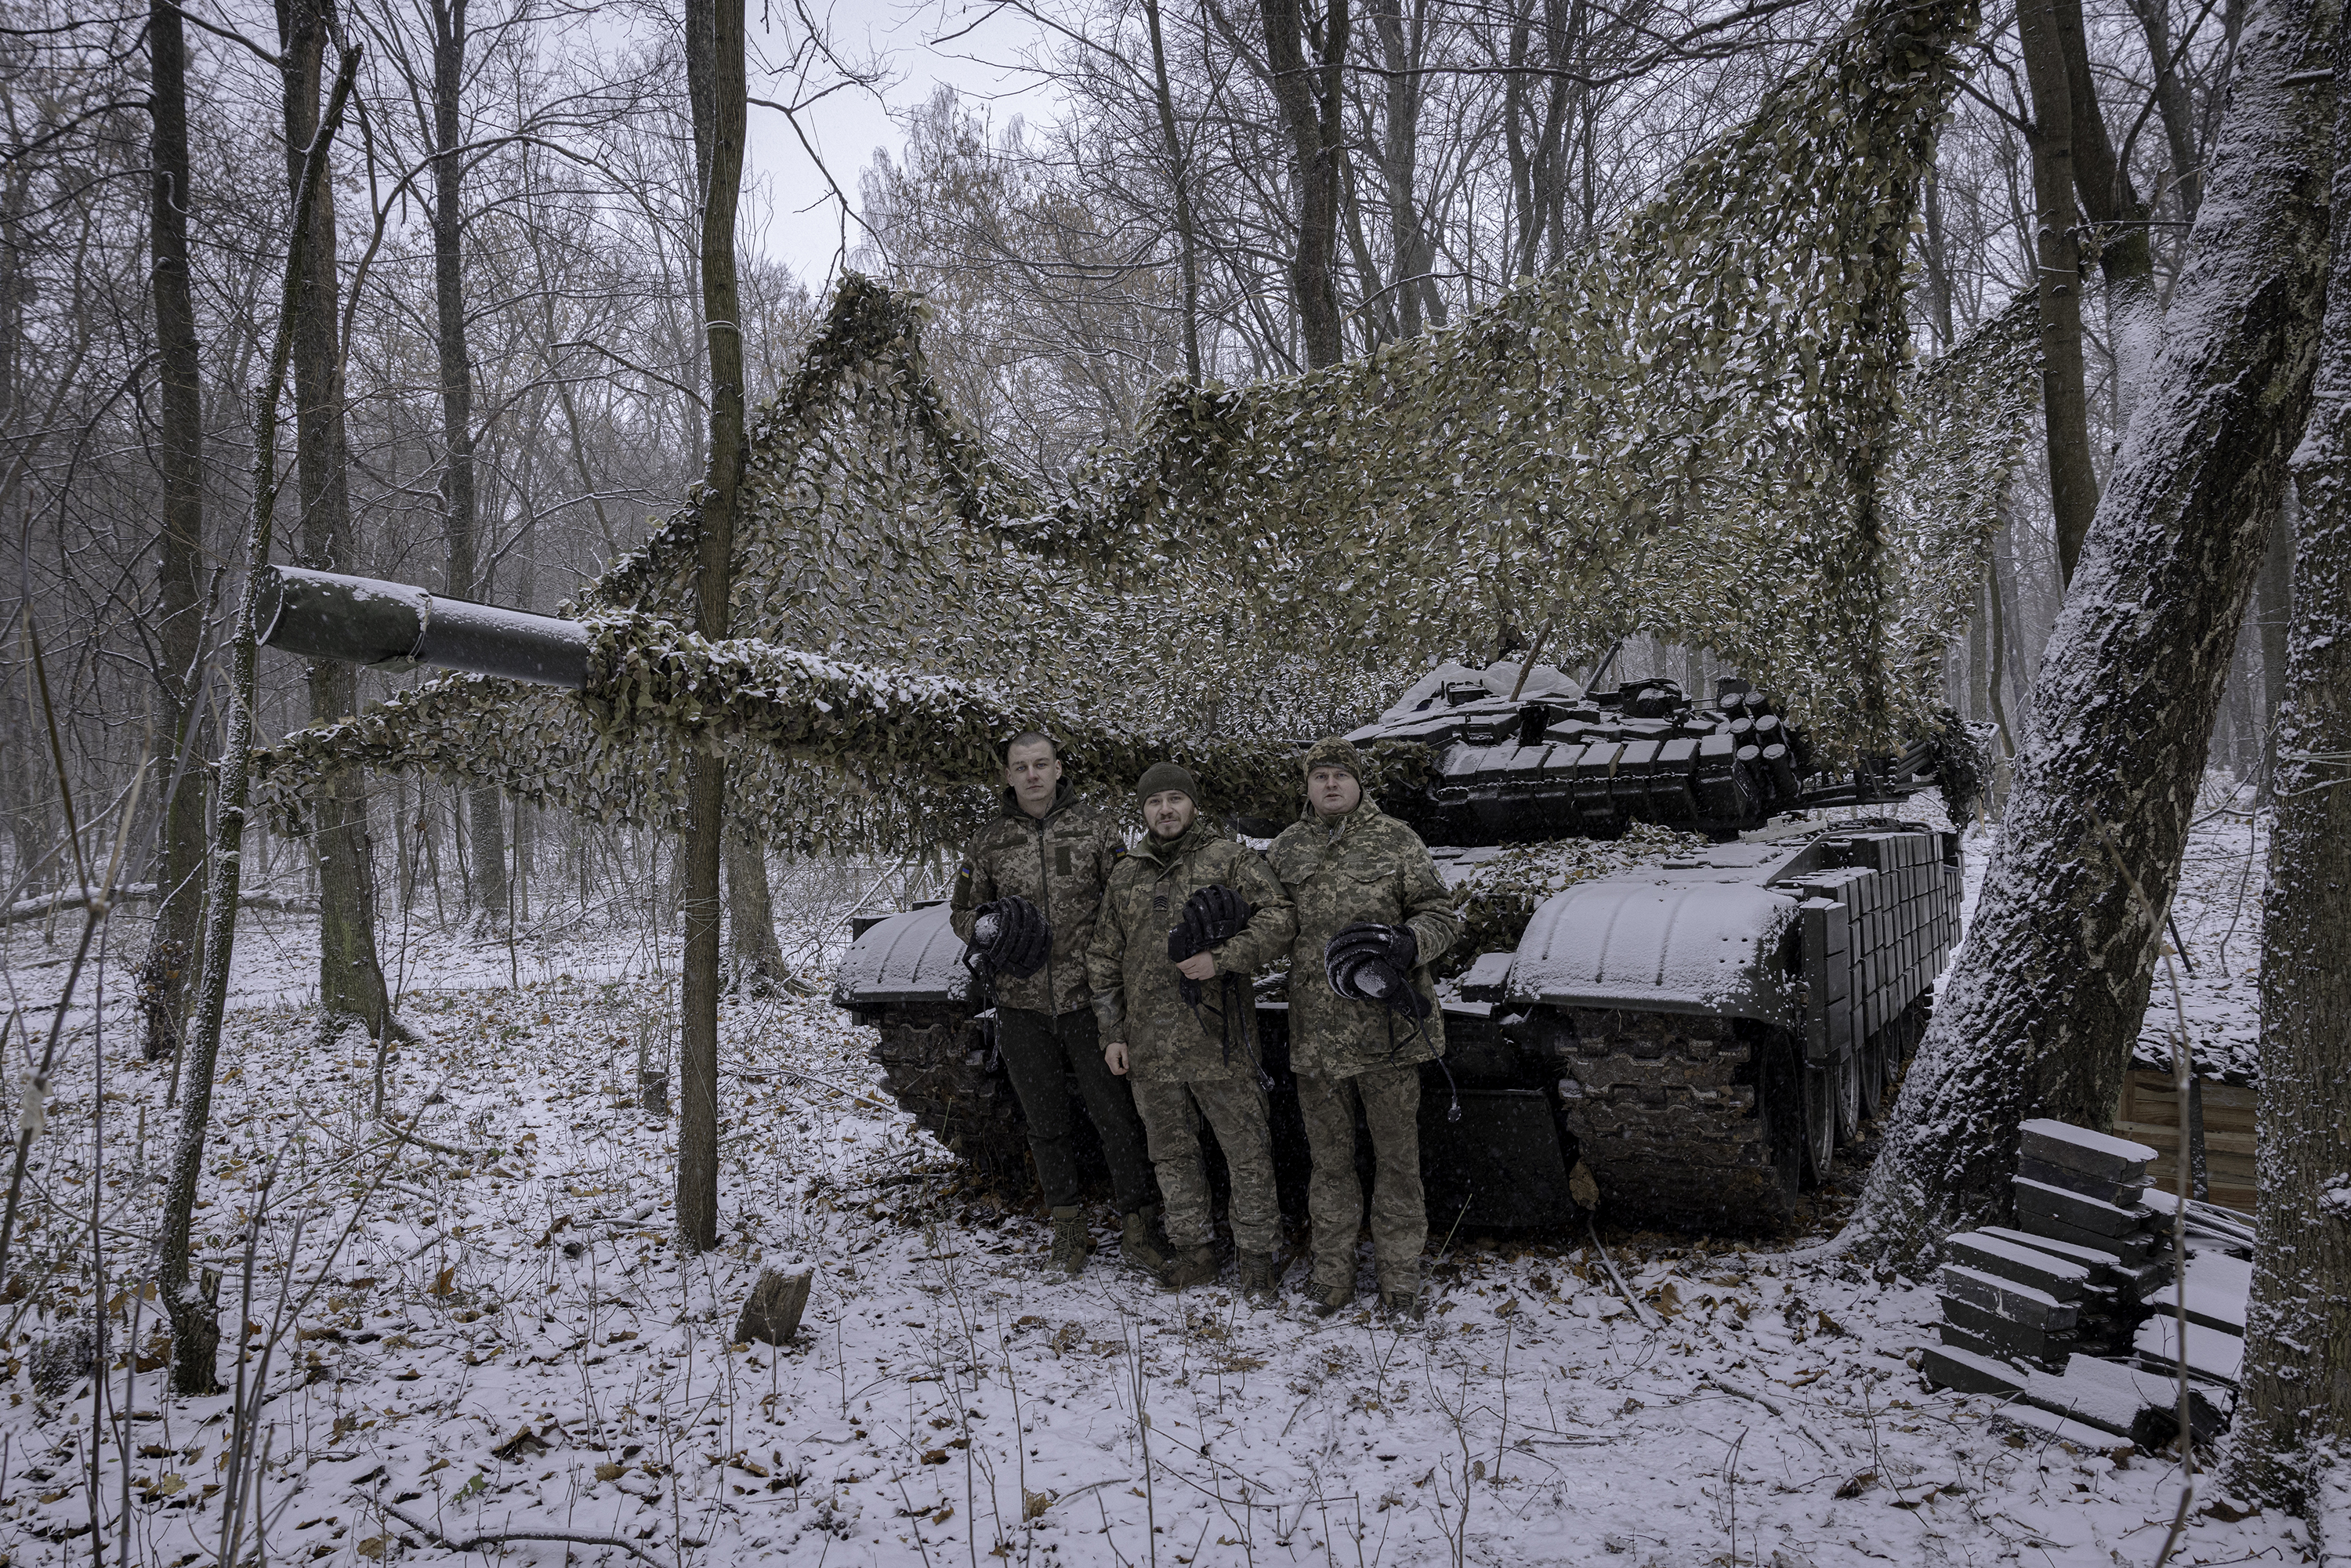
350, 980
2041, 1009
1310, 99
714, 54
180, 544
187, 1295
2065, 405
2295, 1419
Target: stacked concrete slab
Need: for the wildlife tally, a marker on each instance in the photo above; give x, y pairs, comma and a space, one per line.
2088, 1190
2086, 1273
2075, 1272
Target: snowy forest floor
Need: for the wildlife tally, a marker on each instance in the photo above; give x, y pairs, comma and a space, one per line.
489, 1330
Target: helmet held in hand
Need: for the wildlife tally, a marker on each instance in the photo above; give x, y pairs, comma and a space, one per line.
1012, 935
1372, 963
1211, 915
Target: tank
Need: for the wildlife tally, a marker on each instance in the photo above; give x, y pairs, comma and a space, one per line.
1683, 1033
1685, 1039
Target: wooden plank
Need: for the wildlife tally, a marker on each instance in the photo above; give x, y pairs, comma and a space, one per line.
2166, 1139
2148, 1112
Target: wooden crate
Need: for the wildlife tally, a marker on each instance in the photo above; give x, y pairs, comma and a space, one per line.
2149, 1112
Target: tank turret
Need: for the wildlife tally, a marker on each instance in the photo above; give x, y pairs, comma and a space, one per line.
1522, 760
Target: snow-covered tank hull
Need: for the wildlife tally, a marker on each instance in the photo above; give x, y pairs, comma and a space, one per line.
1698, 1033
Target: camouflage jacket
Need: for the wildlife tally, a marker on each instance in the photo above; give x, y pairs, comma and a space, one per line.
1060, 864
1135, 994
1368, 867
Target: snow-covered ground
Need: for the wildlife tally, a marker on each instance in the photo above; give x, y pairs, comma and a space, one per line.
488, 1331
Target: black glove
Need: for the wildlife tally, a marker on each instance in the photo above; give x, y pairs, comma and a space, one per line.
1368, 963
1211, 915
1012, 936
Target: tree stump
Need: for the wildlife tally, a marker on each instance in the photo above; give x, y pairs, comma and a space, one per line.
772, 1312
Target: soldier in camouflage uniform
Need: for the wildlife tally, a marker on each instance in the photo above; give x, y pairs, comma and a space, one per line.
1186, 1062
1342, 864
1048, 848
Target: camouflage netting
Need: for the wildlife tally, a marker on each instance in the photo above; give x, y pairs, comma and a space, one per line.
1693, 432
909, 744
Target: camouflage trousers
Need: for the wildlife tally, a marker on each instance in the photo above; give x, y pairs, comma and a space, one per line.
1389, 1098
1044, 1055
1235, 1108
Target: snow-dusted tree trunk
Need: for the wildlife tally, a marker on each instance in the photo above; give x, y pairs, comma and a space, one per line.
2039, 1013
2295, 1419
713, 47
195, 1332
751, 909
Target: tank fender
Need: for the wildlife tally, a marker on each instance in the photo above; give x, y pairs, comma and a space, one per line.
1722, 949
915, 957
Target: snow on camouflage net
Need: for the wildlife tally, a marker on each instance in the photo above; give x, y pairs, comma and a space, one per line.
1699, 431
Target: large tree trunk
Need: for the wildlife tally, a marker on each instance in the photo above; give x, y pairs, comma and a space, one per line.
179, 624
2039, 1013
188, 1297
750, 910
713, 54
1309, 97
350, 980
460, 515
2295, 1423
2065, 405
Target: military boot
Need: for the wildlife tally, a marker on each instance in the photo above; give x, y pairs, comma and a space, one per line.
1330, 1299
1261, 1281
1401, 1299
1069, 1242
1193, 1266
1138, 1244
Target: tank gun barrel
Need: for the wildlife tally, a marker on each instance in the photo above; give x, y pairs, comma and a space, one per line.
398, 626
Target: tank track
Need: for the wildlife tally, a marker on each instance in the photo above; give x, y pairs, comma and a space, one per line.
1685, 1121
938, 1063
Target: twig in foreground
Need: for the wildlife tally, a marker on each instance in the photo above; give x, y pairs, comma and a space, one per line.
1740, 1391
491, 1538
1649, 1320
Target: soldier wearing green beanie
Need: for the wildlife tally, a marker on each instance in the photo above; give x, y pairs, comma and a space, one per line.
1349, 867
1190, 909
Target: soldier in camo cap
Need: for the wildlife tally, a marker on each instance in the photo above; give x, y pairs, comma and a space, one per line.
1351, 869
1195, 1055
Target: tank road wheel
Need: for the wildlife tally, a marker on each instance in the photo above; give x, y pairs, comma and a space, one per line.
1846, 1076
1780, 1101
1820, 1123
939, 1067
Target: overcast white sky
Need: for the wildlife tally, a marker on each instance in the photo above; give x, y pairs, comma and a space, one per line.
797, 221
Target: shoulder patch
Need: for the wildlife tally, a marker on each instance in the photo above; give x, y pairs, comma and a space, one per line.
964, 874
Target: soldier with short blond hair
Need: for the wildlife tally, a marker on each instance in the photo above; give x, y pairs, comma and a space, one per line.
1026, 899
